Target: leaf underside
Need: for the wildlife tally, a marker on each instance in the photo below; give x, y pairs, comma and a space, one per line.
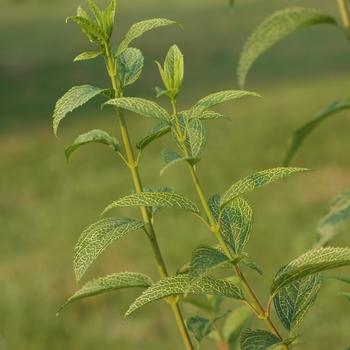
274, 29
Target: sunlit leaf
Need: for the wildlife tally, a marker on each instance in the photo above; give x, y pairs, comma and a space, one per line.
107, 17
256, 180
174, 68
97, 237
203, 260
258, 340
73, 98
238, 320
196, 138
130, 64
336, 219
273, 29
87, 55
139, 28
141, 106
299, 135
176, 285
109, 283
92, 136
157, 199
309, 263
155, 209
216, 99
294, 301
156, 132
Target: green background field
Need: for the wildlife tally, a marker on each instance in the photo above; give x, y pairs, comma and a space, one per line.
45, 204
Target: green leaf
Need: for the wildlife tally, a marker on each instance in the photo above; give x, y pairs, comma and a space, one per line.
96, 135
309, 263
216, 99
97, 237
258, 340
170, 158
238, 320
71, 100
294, 301
299, 135
256, 180
237, 222
155, 209
336, 218
91, 29
87, 55
108, 283
203, 260
176, 285
249, 262
173, 69
130, 64
141, 106
196, 138
346, 295
212, 115
158, 199
139, 28
107, 17
345, 279
273, 29
156, 132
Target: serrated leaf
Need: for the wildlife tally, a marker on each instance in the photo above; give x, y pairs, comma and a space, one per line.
299, 135
258, 340
196, 138
238, 320
170, 158
157, 199
139, 28
203, 260
91, 29
156, 132
294, 301
274, 29
309, 263
107, 17
256, 180
336, 218
109, 283
72, 99
87, 55
96, 135
176, 285
97, 237
212, 115
237, 221
141, 106
216, 99
130, 64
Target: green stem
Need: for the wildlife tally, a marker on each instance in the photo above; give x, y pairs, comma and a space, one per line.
344, 11
215, 228
133, 165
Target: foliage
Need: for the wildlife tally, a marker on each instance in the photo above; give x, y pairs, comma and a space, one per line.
227, 216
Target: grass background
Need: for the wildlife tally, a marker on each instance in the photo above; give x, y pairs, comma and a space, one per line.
45, 204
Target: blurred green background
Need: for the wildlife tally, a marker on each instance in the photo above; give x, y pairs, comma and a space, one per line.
45, 204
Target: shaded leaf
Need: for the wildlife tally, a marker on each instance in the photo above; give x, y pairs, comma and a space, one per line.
130, 64
73, 98
97, 237
212, 115
294, 301
216, 99
157, 199
170, 158
141, 106
108, 283
341, 278
249, 262
238, 320
258, 340
87, 55
272, 30
96, 135
256, 180
299, 135
309, 263
176, 285
203, 260
139, 28
196, 138
346, 295
157, 131
336, 218
107, 17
